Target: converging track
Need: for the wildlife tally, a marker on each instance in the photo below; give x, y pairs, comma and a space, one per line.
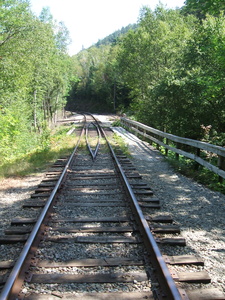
94, 237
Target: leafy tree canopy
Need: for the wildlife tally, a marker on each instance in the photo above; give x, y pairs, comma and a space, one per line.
201, 8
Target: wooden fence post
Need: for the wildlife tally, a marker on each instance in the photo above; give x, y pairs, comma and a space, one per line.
167, 143
196, 165
221, 165
177, 154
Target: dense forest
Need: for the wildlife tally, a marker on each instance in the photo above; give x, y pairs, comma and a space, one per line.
166, 71
35, 76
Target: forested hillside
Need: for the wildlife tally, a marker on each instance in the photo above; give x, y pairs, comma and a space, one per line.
168, 72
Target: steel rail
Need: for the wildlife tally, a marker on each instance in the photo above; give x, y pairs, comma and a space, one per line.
93, 154
165, 277
15, 273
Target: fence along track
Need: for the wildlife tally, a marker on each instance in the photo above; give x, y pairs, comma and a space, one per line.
100, 218
157, 136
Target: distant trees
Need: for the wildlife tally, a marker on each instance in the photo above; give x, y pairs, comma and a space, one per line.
98, 85
34, 74
168, 71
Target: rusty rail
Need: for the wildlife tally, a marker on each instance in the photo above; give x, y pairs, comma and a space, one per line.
17, 270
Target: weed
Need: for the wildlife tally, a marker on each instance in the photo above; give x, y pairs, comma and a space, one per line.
40, 158
195, 171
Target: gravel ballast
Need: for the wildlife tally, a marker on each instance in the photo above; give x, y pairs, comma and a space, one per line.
199, 211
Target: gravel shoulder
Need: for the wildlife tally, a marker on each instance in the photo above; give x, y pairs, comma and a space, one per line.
199, 211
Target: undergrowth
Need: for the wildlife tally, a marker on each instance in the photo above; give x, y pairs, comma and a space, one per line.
195, 171
119, 145
57, 144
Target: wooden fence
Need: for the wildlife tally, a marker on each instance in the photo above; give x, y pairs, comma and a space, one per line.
181, 146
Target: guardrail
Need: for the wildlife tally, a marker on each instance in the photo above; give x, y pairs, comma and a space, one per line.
165, 140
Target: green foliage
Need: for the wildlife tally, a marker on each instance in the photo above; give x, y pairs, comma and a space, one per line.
204, 176
173, 66
201, 8
149, 58
34, 77
117, 123
113, 38
39, 158
100, 86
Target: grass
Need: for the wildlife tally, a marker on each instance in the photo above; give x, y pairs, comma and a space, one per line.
38, 160
195, 171
119, 145
117, 123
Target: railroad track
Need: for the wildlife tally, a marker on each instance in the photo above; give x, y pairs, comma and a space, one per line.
94, 236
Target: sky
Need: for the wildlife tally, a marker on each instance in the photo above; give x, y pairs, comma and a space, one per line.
91, 20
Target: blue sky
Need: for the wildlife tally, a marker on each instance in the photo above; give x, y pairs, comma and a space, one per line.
91, 20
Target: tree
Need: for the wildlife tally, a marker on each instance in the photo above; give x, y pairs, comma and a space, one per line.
34, 74
201, 8
149, 55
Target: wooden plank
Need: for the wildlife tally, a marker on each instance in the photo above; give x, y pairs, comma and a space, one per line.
150, 199
17, 230
11, 239
150, 206
47, 184
159, 219
93, 219
94, 296
93, 177
92, 262
93, 239
40, 195
34, 204
165, 228
138, 184
90, 200
53, 173
50, 179
7, 264
97, 193
106, 239
143, 192
43, 190
128, 168
140, 187
96, 204
19, 221
192, 277
133, 175
89, 278
172, 241
183, 260
92, 229
205, 294
95, 184
115, 187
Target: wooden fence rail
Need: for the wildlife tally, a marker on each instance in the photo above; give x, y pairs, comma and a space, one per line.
165, 140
